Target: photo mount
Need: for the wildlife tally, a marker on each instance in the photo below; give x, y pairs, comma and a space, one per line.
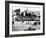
7, 18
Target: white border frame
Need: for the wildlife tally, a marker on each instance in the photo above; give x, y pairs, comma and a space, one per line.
24, 32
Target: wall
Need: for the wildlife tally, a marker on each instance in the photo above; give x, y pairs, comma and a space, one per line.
2, 19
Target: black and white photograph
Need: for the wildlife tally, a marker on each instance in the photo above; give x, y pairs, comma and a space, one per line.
26, 18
